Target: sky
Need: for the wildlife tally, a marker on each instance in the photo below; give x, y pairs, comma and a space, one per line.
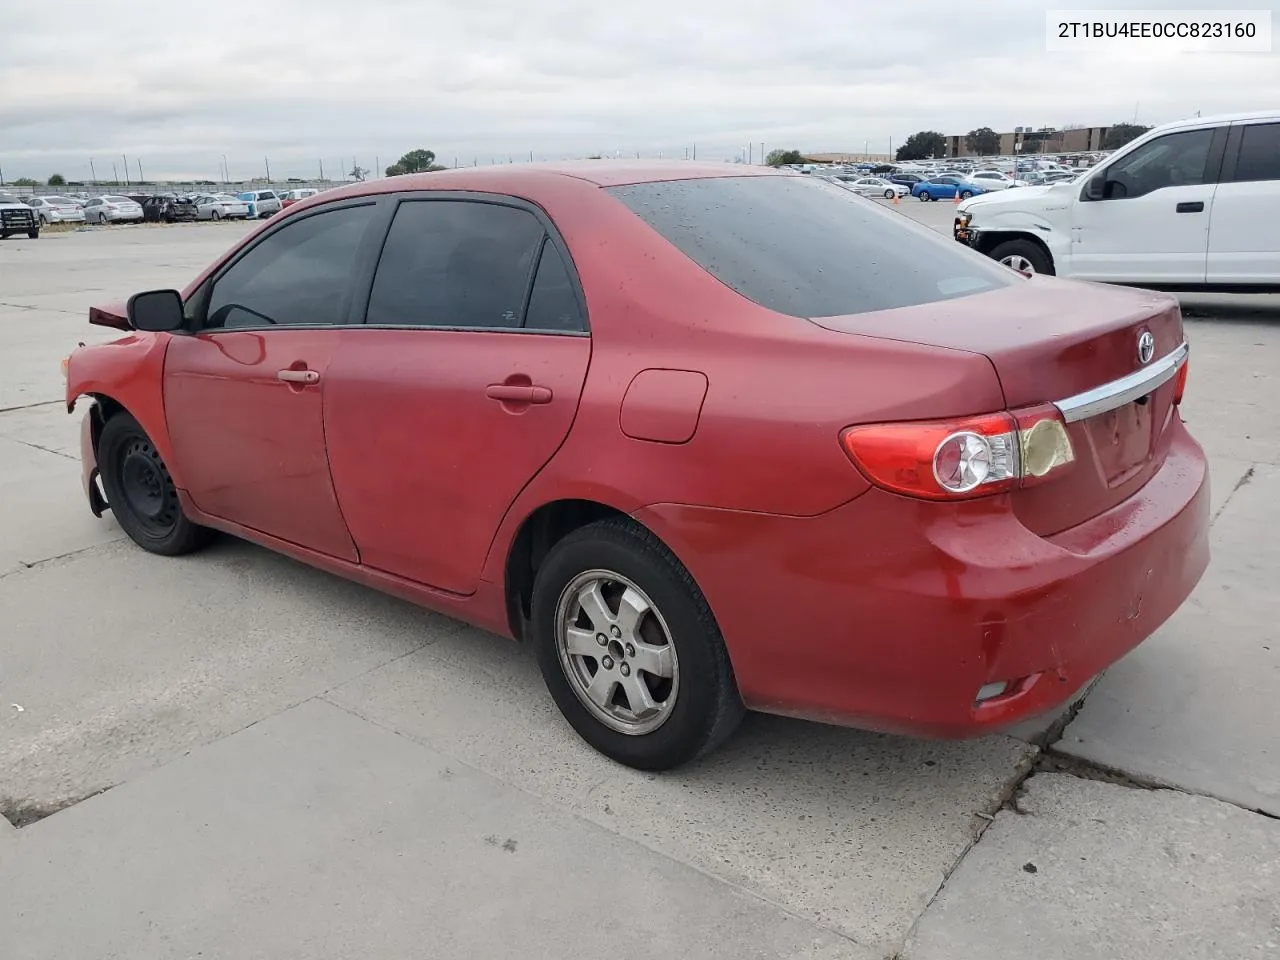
300, 83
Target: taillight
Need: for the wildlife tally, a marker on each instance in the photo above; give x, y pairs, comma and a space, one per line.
1181, 384
961, 459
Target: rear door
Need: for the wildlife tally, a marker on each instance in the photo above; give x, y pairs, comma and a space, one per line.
244, 394
1244, 230
1152, 226
461, 385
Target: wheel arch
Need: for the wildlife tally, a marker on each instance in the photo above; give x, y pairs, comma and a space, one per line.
540, 530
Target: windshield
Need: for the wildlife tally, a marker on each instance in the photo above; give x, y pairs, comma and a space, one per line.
805, 247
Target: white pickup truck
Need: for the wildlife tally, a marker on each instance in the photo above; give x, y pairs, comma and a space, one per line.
1191, 205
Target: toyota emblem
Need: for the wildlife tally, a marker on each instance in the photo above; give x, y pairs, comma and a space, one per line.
1146, 347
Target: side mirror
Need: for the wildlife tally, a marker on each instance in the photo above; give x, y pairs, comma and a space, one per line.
159, 311
1095, 187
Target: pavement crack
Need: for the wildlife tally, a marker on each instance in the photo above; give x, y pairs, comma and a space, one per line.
1244, 480
36, 446
23, 813
29, 406
32, 564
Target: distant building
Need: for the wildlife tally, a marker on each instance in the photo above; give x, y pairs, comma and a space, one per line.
1079, 140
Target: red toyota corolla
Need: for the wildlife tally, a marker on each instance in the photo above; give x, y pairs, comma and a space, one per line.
711, 439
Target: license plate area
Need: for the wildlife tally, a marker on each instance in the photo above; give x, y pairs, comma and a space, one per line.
1122, 439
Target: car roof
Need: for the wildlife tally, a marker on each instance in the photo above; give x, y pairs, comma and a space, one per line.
1218, 119
518, 178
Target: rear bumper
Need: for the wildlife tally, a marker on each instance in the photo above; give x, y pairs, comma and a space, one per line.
892, 614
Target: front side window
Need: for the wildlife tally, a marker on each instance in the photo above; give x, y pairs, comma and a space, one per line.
1174, 160
806, 248
456, 263
300, 274
1259, 157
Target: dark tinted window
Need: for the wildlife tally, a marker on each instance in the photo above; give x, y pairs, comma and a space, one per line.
1174, 160
807, 248
553, 304
1259, 152
299, 274
455, 263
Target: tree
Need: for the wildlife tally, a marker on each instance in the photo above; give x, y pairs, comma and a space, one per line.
57, 180
781, 158
1121, 134
415, 161
358, 172
922, 146
983, 142
24, 182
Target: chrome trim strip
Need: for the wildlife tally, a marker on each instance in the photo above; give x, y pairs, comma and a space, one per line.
1117, 393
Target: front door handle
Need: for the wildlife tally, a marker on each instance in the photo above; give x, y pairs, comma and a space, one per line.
518, 393
298, 376
1191, 206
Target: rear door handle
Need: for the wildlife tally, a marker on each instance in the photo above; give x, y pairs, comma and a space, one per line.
298, 376
518, 393
1191, 206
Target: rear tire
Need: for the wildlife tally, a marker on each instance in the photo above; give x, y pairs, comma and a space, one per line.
141, 493
1022, 254
216, 215
659, 691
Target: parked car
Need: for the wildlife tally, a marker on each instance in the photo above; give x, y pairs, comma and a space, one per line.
169, 208
221, 206
542, 412
17, 217
945, 187
1189, 205
112, 209
262, 203
877, 187
908, 180
56, 210
293, 196
991, 180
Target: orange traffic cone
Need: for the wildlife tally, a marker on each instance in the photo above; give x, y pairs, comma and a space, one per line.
957, 197
896, 197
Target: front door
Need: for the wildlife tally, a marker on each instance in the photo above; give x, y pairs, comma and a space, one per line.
1152, 225
244, 394
462, 384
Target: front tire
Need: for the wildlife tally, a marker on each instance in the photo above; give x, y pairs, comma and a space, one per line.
141, 493
889, 194
966, 194
33, 234
1024, 256
629, 649
924, 196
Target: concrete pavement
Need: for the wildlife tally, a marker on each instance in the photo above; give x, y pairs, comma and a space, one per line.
272, 741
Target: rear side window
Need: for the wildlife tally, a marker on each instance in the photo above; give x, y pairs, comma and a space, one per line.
456, 263
299, 274
553, 302
1259, 157
807, 248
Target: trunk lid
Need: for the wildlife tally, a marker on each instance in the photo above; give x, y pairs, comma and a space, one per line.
1050, 340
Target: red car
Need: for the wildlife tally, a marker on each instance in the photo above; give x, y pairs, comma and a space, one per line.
712, 439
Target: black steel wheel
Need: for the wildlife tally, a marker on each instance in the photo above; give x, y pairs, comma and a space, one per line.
141, 492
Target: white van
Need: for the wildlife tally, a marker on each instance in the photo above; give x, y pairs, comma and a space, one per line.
1186, 206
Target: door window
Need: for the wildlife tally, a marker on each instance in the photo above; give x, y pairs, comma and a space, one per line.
300, 274
456, 263
1259, 157
553, 302
1174, 160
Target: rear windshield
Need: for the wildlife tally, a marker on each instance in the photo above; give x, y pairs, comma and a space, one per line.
807, 248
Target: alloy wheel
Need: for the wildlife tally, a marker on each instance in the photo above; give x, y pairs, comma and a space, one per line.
1020, 263
616, 650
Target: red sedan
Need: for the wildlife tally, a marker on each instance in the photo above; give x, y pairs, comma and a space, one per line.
711, 439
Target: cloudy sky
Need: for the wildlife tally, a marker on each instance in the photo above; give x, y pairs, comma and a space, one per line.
308, 81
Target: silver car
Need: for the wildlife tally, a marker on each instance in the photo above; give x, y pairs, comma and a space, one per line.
221, 206
56, 210
112, 208
877, 187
